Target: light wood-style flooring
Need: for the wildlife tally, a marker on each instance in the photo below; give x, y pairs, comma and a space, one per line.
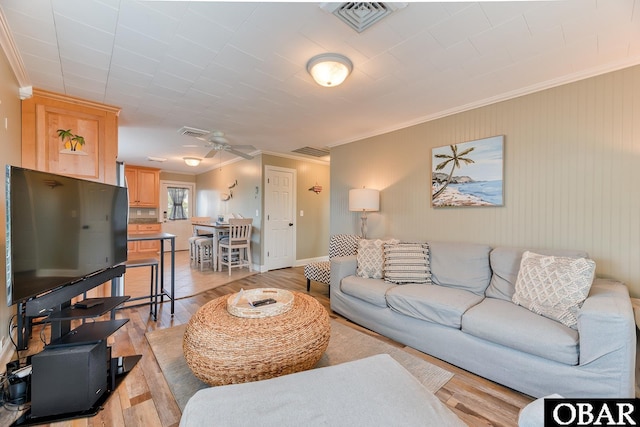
144, 399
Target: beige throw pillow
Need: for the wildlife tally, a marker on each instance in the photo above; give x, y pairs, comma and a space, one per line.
371, 258
554, 287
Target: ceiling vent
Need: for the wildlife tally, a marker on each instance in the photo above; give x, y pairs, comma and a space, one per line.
310, 151
361, 15
187, 131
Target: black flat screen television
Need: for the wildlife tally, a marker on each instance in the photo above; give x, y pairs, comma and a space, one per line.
60, 230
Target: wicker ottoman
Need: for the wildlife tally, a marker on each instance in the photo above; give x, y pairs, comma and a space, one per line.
224, 349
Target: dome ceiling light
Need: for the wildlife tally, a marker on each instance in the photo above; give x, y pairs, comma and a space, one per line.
329, 69
192, 161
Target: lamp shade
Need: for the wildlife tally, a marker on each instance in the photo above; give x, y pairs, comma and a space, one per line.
329, 69
364, 199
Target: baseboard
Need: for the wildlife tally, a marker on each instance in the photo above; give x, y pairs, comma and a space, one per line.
303, 262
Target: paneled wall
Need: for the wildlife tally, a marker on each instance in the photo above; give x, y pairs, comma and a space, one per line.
571, 175
10, 153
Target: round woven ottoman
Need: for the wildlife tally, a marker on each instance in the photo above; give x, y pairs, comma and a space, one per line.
224, 349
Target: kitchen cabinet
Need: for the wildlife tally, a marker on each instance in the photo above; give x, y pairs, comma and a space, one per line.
42, 149
43, 114
144, 186
143, 248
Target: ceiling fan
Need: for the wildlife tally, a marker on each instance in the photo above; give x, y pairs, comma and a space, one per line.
217, 141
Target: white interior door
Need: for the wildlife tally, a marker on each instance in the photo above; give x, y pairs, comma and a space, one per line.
279, 207
182, 227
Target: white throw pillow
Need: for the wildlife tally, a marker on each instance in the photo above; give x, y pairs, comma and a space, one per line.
554, 287
407, 263
371, 258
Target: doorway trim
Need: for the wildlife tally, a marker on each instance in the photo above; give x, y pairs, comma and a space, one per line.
164, 184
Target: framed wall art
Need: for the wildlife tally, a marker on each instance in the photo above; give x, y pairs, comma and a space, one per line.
468, 173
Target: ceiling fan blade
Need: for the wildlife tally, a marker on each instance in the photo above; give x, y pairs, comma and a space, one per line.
244, 147
211, 153
239, 153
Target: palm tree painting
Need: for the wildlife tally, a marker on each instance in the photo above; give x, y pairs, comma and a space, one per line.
468, 173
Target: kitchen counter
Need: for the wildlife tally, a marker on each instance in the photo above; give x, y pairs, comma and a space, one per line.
143, 221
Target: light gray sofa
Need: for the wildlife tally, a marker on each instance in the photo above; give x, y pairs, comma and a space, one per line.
466, 317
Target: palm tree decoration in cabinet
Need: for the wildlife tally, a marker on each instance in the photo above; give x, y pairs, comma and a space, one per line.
70, 140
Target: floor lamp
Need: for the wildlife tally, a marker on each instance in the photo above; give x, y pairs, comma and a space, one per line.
364, 200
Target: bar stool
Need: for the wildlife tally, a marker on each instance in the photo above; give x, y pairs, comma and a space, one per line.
206, 252
153, 294
193, 254
193, 250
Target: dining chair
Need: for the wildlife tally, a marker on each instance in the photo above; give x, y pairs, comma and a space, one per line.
234, 250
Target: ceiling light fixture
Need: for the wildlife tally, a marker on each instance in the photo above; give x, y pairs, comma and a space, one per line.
329, 69
156, 159
192, 161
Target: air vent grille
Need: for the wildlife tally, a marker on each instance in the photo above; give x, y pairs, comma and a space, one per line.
311, 151
361, 15
188, 131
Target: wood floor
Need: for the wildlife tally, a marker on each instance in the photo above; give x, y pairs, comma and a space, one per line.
144, 399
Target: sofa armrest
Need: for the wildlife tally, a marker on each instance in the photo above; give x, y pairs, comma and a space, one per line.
607, 326
342, 267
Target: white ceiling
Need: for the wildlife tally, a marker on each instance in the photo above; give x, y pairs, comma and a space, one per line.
240, 67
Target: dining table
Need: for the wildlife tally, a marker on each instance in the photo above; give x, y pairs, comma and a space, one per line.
216, 228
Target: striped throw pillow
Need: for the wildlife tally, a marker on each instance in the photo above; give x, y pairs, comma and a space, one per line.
407, 263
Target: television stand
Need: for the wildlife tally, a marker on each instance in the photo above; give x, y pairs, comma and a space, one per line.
119, 368
75, 373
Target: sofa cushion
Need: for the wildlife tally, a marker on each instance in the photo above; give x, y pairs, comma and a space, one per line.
505, 264
371, 257
437, 304
407, 263
554, 287
510, 325
370, 290
372, 391
460, 265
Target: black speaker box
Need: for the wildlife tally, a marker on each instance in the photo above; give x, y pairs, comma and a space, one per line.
68, 379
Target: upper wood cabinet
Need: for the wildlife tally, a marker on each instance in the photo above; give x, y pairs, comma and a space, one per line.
144, 186
42, 149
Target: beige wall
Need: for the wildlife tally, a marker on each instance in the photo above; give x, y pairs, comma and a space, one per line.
10, 149
246, 201
312, 228
175, 176
312, 238
571, 175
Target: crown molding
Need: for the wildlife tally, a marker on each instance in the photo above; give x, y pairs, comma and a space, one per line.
298, 157
11, 51
534, 88
75, 100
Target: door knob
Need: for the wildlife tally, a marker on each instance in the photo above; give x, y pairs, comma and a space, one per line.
290, 224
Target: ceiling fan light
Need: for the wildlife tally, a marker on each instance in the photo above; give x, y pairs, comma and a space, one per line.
192, 161
329, 69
